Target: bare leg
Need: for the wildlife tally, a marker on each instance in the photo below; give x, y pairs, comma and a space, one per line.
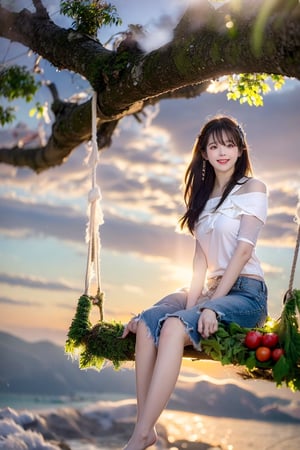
145, 356
166, 370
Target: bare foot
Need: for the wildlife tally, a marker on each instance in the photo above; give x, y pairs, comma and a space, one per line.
138, 442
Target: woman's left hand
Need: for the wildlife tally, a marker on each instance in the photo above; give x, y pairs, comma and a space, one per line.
130, 327
207, 323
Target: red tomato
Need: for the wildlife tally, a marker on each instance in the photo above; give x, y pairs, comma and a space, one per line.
277, 353
269, 340
263, 353
253, 339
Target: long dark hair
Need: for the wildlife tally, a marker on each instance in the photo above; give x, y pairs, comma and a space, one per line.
197, 190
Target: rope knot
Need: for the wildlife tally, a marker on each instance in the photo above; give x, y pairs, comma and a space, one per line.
94, 194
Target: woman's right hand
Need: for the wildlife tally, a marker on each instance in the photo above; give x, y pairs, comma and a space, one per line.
207, 323
130, 327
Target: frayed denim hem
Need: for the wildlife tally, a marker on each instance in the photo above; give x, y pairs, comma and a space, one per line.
193, 335
149, 331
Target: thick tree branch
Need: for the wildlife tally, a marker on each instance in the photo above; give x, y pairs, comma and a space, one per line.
203, 48
71, 128
63, 140
40, 8
64, 48
205, 53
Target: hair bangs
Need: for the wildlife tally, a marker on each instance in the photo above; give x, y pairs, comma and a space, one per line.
224, 133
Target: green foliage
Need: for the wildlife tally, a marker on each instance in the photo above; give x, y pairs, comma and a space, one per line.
89, 16
6, 115
104, 343
97, 344
288, 330
250, 88
227, 346
15, 82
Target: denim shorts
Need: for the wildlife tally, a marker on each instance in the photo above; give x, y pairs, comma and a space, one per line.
245, 304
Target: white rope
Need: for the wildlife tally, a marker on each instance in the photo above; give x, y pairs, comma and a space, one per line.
92, 277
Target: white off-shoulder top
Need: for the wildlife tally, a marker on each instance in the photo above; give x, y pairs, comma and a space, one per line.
240, 217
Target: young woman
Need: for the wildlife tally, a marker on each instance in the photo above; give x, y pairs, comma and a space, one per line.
225, 211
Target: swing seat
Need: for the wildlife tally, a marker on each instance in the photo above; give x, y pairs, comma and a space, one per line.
96, 345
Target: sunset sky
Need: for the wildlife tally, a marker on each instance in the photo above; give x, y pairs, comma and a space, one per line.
43, 217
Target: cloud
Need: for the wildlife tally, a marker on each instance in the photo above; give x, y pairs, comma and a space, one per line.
135, 290
118, 233
68, 181
138, 233
13, 302
284, 199
271, 270
36, 219
34, 282
272, 131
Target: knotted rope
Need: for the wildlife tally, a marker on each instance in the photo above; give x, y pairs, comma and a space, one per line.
93, 277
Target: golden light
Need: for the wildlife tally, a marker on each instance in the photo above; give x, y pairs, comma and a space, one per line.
270, 323
229, 23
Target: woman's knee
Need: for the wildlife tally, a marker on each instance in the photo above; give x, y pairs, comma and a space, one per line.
172, 326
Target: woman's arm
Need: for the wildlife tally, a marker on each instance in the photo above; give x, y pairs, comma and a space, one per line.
234, 269
198, 277
250, 227
246, 240
208, 323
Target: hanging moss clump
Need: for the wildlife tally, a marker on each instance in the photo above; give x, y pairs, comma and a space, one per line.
94, 345
80, 325
104, 342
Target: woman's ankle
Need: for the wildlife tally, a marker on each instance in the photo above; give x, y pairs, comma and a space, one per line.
141, 439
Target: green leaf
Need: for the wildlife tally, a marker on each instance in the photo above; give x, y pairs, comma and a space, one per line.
222, 333
89, 16
15, 82
281, 369
251, 361
250, 88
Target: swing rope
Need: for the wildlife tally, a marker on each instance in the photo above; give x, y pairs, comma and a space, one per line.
295, 258
93, 276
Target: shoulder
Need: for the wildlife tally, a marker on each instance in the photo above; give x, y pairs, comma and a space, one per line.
254, 185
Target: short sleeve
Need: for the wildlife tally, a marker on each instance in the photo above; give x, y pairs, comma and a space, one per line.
252, 204
249, 229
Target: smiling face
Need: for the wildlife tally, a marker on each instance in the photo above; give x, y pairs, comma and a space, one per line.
222, 153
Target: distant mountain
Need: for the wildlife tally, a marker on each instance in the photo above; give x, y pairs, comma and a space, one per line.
230, 400
42, 368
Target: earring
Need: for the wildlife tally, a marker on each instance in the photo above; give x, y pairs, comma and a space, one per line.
203, 170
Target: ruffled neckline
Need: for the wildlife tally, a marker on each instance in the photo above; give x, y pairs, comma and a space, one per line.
233, 207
